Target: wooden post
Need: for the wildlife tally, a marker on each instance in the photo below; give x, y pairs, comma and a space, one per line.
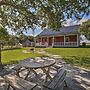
64, 40
35, 41
78, 40
41, 40
47, 41
53, 41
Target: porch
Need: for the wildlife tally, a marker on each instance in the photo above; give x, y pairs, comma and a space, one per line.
57, 44
58, 41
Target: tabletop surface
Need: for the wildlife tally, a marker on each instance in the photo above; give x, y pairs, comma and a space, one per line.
4, 72
37, 63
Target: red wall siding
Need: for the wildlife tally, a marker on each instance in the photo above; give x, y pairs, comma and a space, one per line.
50, 40
44, 39
59, 39
73, 38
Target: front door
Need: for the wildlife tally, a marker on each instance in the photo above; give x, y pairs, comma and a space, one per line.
50, 41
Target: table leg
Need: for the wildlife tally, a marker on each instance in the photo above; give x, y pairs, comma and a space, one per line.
17, 73
28, 74
47, 73
34, 71
30, 70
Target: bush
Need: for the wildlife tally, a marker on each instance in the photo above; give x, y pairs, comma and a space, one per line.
83, 44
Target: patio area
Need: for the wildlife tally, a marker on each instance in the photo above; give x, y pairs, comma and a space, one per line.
76, 78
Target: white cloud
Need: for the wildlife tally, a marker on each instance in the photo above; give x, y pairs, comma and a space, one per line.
71, 22
82, 20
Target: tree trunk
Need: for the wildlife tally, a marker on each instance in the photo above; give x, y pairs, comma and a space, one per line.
33, 39
1, 66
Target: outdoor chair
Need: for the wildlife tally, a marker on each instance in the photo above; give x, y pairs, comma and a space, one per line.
17, 83
57, 82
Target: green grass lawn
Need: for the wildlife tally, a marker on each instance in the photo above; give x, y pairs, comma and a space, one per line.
74, 56
15, 55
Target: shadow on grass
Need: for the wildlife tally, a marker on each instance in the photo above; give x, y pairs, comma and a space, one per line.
12, 62
87, 46
10, 49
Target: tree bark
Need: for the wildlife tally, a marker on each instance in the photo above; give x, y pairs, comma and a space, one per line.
1, 66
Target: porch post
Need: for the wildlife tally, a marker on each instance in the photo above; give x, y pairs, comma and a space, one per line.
53, 41
47, 41
41, 40
35, 41
64, 40
78, 40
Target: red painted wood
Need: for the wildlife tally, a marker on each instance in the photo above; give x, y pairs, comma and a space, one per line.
59, 39
50, 41
73, 38
44, 39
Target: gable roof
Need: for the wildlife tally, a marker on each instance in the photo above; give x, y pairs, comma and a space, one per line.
62, 31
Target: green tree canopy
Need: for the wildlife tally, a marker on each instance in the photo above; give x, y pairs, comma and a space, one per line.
22, 14
4, 36
54, 12
17, 15
85, 29
22, 38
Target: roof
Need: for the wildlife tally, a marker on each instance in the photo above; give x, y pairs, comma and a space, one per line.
62, 31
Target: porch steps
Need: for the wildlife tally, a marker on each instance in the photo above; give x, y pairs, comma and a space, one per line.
49, 47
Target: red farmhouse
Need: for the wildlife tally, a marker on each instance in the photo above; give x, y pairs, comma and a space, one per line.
64, 37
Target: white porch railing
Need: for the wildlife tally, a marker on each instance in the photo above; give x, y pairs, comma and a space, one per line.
41, 44
65, 44
70, 43
58, 44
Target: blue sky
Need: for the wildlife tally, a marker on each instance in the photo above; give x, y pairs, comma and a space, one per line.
37, 31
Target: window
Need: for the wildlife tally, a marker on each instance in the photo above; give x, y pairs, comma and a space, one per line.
67, 39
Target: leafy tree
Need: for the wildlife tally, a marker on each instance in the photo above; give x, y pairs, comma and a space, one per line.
54, 12
17, 15
12, 41
31, 38
24, 37
3, 37
85, 29
22, 14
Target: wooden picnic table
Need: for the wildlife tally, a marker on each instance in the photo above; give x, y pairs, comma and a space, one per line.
4, 72
43, 64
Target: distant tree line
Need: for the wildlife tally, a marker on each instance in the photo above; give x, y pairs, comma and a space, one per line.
85, 29
12, 40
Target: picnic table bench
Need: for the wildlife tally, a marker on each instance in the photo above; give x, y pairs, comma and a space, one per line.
18, 83
56, 83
